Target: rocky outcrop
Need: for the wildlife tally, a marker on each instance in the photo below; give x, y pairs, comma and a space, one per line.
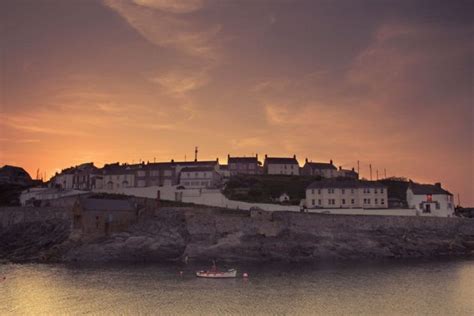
204, 234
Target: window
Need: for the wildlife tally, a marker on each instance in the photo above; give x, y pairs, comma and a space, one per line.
375, 190
352, 201
381, 190
382, 201
368, 190
376, 201
343, 201
352, 191
365, 201
368, 201
319, 202
329, 201
312, 202
196, 174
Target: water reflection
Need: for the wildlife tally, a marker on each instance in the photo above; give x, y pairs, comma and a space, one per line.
435, 288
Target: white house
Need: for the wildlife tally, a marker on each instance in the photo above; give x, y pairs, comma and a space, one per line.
278, 165
199, 177
430, 199
346, 194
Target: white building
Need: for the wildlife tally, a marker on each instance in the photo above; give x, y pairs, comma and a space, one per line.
282, 166
199, 177
430, 199
346, 194
322, 169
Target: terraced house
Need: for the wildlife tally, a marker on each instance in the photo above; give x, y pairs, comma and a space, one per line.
346, 194
244, 165
281, 165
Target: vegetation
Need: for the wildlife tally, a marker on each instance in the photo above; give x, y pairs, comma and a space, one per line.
267, 188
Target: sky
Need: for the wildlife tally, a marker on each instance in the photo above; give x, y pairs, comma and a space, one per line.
386, 83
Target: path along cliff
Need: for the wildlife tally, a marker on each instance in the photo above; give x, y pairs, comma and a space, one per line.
198, 233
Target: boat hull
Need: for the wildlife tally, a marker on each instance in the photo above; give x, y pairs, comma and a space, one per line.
217, 274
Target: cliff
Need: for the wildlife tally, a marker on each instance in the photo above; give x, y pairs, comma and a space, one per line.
204, 233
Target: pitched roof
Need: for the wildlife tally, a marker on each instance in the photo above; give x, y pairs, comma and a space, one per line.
424, 189
342, 184
196, 169
242, 160
321, 165
281, 160
106, 205
194, 163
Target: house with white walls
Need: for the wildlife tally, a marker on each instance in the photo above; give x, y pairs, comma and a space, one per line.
281, 166
430, 199
199, 177
331, 193
116, 176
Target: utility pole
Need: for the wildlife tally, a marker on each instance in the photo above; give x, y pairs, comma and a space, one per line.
196, 154
370, 167
358, 168
459, 200
377, 174
385, 173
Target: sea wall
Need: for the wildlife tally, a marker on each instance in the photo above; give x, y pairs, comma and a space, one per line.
24, 214
206, 233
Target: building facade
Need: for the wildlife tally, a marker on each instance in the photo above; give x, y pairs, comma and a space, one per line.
430, 199
199, 178
281, 166
321, 169
243, 165
346, 194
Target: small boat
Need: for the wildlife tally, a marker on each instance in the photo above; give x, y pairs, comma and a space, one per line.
231, 273
214, 273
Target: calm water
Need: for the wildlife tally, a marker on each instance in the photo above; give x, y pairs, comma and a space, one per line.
401, 288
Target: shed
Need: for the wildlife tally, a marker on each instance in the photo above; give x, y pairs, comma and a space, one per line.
100, 217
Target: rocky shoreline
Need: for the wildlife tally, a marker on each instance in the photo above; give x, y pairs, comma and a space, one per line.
202, 234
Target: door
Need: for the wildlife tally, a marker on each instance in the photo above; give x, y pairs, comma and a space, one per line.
427, 208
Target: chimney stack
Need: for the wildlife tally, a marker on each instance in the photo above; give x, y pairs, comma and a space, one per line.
294, 156
306, 160
438, 185
330, 161
266, 156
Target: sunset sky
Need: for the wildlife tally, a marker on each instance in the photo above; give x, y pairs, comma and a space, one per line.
385, 82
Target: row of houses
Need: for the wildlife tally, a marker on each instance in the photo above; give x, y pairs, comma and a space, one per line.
189, 174
356, 194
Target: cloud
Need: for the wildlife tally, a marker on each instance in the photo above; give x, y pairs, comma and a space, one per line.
181, 82
167, 30
181, 6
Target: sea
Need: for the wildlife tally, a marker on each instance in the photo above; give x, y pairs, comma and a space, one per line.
411, 287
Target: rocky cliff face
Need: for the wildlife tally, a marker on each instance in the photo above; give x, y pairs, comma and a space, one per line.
204, 234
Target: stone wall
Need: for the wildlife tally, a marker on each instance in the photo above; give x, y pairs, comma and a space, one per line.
16, 215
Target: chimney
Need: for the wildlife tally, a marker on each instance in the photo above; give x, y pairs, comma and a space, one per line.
306, 160
228, 156
340, 168
256, 156
438, 185
266, 156
330, 161
172, 160
294, 156
353, 169
217, 159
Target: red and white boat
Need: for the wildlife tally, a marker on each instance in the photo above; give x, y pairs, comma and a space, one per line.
214, 274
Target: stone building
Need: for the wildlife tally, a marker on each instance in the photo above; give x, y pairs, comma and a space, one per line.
321, 169
100, 217
243, 165
156, 174
346, 194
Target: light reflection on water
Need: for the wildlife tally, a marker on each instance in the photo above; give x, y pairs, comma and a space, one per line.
400, 288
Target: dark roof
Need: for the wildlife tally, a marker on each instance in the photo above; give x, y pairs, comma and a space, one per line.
341, 184
194, 163
424, 189
159, 165
281, 160
196, 169
242, 160
321, 165
106, 205
14, 171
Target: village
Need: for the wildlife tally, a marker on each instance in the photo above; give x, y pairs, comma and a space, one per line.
244, 183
